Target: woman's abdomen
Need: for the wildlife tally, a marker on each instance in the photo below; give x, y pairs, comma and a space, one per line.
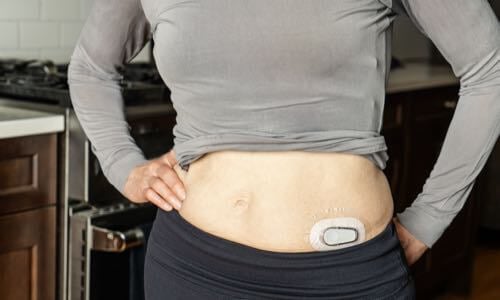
271, 200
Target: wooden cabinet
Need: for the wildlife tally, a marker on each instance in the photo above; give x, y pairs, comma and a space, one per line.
28, 187
27, 172
414, 142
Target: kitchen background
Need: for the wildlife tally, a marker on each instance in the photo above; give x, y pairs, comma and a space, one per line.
463, 265
48, 29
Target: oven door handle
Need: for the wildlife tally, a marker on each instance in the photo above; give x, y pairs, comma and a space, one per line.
115, 241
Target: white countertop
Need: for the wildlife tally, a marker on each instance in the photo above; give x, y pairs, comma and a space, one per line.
17, 122
415, 75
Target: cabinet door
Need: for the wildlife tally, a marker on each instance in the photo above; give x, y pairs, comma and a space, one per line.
28, 254
28, 170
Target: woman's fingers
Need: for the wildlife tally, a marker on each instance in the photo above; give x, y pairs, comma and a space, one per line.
157, 200
412, 247
157, 182
164, 191
170, 177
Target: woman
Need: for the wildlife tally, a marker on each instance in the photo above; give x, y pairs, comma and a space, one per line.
274, 188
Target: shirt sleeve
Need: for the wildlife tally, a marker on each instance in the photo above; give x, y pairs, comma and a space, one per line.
112, 35
467, 33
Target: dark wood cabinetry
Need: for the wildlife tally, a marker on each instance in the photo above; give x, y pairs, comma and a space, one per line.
28, 187
415, 125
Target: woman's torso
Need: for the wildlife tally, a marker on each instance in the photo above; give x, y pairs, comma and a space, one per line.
260, 76
271, 200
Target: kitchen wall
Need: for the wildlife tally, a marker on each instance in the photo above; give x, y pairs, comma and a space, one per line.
44, 29
48, 29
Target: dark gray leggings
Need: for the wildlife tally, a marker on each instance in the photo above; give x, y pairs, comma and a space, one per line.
184, 262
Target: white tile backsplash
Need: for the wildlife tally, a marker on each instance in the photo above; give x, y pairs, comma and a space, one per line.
60, 9
38, 34
19, 53
70, 32
144, 54
58, 55
85, 6
10, 35
19, 9
48, 28
44, 29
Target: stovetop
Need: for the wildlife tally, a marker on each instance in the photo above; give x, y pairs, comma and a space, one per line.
46, 82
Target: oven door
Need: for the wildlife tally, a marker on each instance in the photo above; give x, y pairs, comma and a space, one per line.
107, 232
107, 247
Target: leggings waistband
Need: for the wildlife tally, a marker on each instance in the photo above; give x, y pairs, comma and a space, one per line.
374, 265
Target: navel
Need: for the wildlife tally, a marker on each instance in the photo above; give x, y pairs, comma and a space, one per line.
241, 201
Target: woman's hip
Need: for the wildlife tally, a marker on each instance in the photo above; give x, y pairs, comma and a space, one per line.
185, 262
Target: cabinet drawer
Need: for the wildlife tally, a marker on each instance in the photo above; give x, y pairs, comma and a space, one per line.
28, 172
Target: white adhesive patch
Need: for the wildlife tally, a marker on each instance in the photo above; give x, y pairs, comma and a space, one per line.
321, 236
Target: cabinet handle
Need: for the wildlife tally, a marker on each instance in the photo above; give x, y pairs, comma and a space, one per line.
450, 104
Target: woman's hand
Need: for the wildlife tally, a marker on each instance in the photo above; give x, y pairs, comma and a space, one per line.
157, 181
413, 247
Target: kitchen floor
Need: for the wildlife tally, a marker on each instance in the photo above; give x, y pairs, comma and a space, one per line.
486, 274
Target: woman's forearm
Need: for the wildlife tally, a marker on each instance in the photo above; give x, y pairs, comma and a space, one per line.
468, 35
113, 34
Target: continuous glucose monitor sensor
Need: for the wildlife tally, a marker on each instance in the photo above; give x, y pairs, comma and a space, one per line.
335, 233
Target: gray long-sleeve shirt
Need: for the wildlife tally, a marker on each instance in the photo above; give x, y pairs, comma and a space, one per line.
289, 75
